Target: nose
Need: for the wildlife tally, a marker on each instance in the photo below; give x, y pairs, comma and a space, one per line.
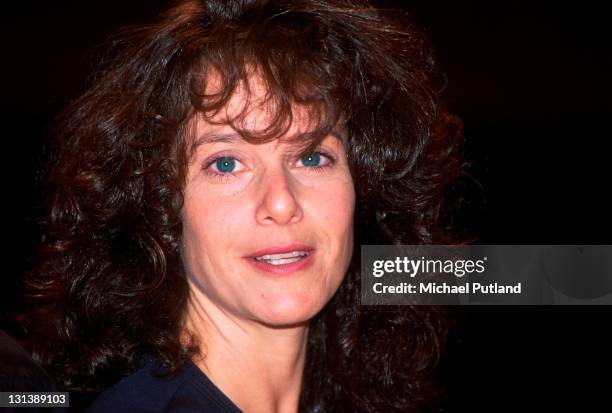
278, 203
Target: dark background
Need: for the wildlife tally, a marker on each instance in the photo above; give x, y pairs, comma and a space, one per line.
531, 82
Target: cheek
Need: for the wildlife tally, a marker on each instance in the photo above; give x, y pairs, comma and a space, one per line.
209, 223
334, 208
332, 213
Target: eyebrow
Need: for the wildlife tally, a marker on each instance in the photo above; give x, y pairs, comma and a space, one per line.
212, 138
217, 138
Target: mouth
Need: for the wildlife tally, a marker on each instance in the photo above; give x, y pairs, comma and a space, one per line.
282, 259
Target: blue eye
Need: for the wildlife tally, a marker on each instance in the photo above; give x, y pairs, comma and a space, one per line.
225, 164
313, 159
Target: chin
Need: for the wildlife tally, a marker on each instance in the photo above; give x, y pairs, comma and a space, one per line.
290, 310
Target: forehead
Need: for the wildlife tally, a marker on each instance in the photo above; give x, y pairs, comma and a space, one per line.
254, 106
255, 112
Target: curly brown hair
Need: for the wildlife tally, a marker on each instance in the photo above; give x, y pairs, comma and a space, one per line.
109, 284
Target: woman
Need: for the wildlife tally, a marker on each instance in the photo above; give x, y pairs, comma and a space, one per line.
208, 196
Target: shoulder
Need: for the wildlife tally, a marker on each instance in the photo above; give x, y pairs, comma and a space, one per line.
147, 390
143, 391
18, 372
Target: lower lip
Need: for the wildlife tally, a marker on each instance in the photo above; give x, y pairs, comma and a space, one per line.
300, 265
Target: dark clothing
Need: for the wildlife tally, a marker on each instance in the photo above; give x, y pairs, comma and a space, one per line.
19, 373
189, 391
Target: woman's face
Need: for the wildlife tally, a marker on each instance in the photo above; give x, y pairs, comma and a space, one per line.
267, 232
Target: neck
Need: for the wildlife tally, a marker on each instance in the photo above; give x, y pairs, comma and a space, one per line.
258, 367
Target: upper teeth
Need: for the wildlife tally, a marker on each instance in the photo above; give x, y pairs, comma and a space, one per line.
281, 256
